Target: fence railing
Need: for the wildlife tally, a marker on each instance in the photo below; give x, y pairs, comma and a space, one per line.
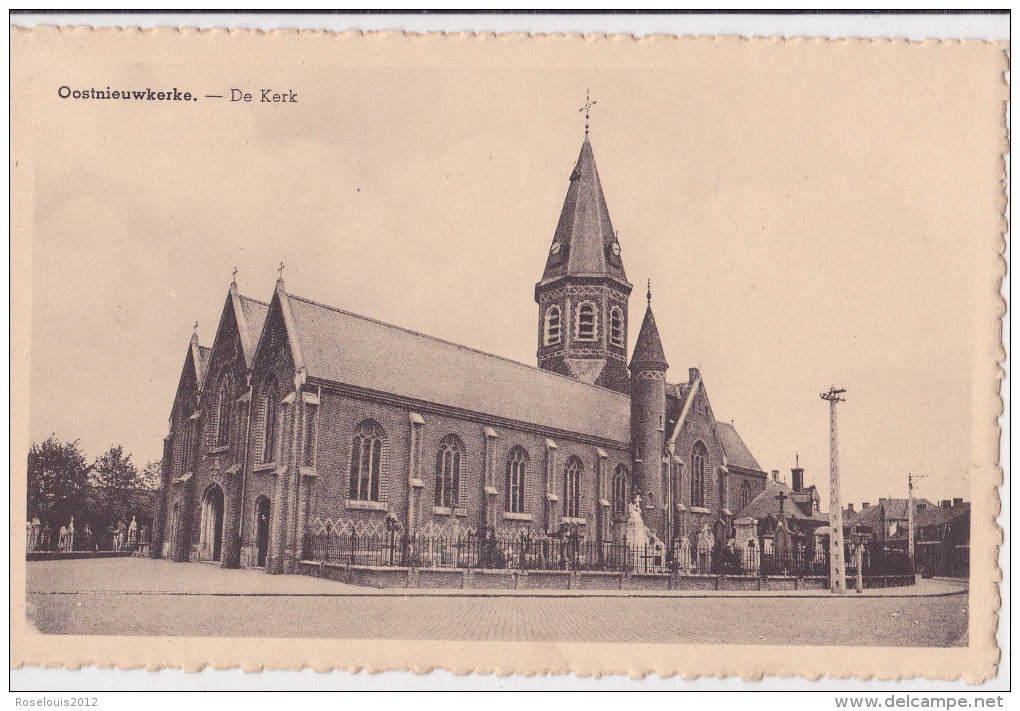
569, 553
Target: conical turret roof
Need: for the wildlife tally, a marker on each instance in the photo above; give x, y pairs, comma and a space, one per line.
648, 349
584, 243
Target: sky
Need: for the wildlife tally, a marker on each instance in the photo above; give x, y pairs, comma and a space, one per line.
807, 217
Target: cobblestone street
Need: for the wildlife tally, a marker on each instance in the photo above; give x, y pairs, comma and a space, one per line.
146, 597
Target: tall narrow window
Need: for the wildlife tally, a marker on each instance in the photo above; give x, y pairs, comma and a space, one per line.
745, 495
552, 326
699, 464
366, 462
268, 417
223, 412
572, 487
448, 472
586, 322
516, 478
188, 455
620, 491
616, 326
309, 434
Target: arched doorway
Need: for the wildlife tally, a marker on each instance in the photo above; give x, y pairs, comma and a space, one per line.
211, 541
261, 531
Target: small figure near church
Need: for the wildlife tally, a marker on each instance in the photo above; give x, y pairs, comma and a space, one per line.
132, 533
70, 535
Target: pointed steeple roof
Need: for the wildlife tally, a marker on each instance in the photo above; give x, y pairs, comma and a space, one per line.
648, 351
584, 241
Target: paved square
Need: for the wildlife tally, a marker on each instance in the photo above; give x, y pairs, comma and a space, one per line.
133, 596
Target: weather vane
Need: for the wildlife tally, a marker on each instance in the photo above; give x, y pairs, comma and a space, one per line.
588, 103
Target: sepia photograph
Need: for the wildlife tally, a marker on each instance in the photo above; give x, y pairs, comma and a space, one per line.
506, 343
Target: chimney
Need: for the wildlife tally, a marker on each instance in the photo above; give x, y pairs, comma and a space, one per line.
958, 502
692, 375
775, 475
865, 505
797, 474
850, 507
945, 504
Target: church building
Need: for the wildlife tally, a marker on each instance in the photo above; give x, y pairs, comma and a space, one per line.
303, 418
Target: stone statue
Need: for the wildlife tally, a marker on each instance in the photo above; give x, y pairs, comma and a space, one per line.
70, 535
132, 532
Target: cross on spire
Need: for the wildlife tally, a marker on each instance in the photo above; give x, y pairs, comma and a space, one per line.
280, 270
649, 292
196, 328
234, 274
588, 103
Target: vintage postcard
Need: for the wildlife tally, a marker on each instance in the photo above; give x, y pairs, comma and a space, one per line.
516, 354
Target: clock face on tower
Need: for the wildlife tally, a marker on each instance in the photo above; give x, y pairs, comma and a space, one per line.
556, 247
616, 248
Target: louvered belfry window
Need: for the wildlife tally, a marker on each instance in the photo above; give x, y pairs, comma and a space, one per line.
552, 326
586, 321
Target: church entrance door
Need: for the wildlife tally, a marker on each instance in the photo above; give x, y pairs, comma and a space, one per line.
261, 530
211, 543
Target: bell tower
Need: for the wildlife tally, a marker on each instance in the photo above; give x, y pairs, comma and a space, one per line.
583, 295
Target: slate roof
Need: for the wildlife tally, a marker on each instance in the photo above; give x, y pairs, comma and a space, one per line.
737, 453
584, 231
938, 515
766, 504
202, 362
648, 349
254, 312
895, 510
342, 347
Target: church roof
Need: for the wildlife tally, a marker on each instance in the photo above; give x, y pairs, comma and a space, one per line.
648, 349
737, 453
342, 347
583, 243
202, 354
250, 320
767, 504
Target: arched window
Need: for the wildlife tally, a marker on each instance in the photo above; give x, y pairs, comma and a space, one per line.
572, 488
268, 420
448, 460
616, 326
223, 411
699, 464
516, 479
745, 495
552, 326
366, 461
586, 322
620, 491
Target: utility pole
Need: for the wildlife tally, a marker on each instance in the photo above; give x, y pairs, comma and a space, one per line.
837, 568
910, 516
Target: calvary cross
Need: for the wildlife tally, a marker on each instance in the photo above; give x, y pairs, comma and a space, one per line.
781, 497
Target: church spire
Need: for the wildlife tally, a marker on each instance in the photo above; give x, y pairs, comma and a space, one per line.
648, 352
584, 243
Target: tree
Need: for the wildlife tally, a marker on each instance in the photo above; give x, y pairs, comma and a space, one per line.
58, 481
116, 478
152, 474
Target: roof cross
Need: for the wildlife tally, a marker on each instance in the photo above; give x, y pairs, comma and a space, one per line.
280, 269
196, 327
234, 274
649, 292
588, 103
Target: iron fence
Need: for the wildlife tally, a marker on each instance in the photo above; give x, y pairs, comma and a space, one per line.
574, 553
